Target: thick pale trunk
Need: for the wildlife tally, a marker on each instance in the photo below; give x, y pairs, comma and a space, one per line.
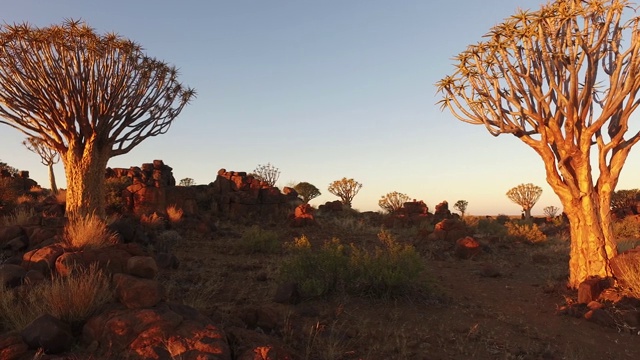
527, 214
52, 179
589, 252
85, 168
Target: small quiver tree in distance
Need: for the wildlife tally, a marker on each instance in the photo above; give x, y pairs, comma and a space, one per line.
111, 99
563, 80
550, 211
461, 205
267, 173
525, 195
345, 189
393, 201
187, 182
306, 191
48, 158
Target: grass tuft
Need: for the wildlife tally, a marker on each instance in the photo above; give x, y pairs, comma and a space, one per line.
256, 240
20, 217
88, 232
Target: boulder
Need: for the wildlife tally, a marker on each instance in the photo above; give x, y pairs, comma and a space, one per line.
43, 259
142, 266
591, 288
11, 275
467, 248
11, 232
49, 333
134, 292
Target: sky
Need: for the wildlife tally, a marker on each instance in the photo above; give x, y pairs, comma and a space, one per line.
320, 89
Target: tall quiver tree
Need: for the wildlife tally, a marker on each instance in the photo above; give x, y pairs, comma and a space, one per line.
88, 96
564, 80
48, 158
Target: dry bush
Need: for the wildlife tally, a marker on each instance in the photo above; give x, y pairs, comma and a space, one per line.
630, 275
20, 216
89, 232
174, 213
627, 228
525, 231
74, 299
153, 221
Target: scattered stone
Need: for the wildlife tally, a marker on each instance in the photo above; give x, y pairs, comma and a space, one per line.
12, 347
11, 232
253, 345
11, 275
287, 293
33, 277
167, 261
167, 331
49, 333
489, 270
135, 292
43, 259
142, 266
595, 305
467, 247
590, 289
600, 317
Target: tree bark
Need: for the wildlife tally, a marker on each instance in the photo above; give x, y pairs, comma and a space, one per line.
52, 179
85, 168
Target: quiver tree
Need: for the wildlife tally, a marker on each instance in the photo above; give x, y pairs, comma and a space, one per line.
88, 96
267, 173
525, 195
564, 80
461, 205
48, 158
345, 189
187, 182
550, 211
307, 191
393, 201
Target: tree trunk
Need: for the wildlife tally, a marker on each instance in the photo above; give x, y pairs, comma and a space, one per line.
527, 213
589, 255
52, 180
85, 168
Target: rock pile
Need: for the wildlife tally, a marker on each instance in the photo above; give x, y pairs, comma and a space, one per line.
237, 194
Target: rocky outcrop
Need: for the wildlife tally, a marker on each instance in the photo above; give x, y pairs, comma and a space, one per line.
240, 195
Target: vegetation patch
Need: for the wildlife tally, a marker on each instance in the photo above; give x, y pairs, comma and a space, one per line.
257, 240
88, 232
389, 270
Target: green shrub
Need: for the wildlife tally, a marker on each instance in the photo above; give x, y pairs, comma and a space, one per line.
257, 240
391, 269
115, 203
490, 227
525, 231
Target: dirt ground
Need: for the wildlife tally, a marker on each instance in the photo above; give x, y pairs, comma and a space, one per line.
502, 304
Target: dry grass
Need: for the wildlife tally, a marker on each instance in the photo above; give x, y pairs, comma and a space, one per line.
88, 232
174, 213
630, 275
74, 299
20, 217
153, 221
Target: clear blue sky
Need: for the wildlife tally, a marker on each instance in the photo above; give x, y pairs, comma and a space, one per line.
321, 89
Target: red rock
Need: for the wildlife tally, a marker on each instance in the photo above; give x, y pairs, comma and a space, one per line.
166, 331
253, 345
600, 317
590, 289
467, 247
12, 347
43, 259
68, 262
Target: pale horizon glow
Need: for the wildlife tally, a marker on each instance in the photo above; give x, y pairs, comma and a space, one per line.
322, 90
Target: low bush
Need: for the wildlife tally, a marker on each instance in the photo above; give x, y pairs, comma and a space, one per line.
115, 203
390, 270
257, 240
174, 213
629, 276
490, 228
20, 216
88, 232
627, 228
525, 231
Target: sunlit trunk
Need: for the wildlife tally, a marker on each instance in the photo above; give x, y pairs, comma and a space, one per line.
85, 169
52, 180
527, 213
589, 214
